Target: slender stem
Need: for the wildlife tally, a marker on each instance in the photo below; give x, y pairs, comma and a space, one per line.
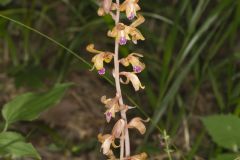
5, 127
125, 137
166, 138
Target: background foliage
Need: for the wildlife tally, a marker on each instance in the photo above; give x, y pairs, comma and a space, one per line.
192, 52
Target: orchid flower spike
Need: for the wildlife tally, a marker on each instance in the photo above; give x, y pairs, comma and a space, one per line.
100, 58
131, 7
134, 80
138, 124
133, 59
112, 106
122, 34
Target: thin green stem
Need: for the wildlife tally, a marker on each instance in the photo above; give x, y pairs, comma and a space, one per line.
5, 127
168, 150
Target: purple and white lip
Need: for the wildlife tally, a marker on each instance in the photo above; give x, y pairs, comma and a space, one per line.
132, 16
137, 69
108, 116
102, 71
122, 41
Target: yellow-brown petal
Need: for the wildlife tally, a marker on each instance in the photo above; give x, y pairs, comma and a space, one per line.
111, 155
137, 7
104, 99
102, 138
138, 124
101, 12
134, 60
90, 48
114, 6
142, 156
136, 35
134, 80
111, 102
138, 21
123, 6
136, 55
118, 128
125, 62
106, 145
113, 33
114, 145
107, 4
98, 61
108, 57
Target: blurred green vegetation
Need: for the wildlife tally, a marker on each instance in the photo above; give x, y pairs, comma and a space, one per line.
192, 54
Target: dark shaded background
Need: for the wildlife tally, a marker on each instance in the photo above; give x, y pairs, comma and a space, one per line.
191, 51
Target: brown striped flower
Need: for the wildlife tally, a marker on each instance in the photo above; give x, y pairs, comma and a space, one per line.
112, 106
133, 78
133, 59
131, 7
99, 59
122, 32
107, 141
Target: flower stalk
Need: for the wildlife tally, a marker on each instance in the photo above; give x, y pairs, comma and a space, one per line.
125, 136
122, 34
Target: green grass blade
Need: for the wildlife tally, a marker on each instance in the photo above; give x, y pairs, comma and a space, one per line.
49, 38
